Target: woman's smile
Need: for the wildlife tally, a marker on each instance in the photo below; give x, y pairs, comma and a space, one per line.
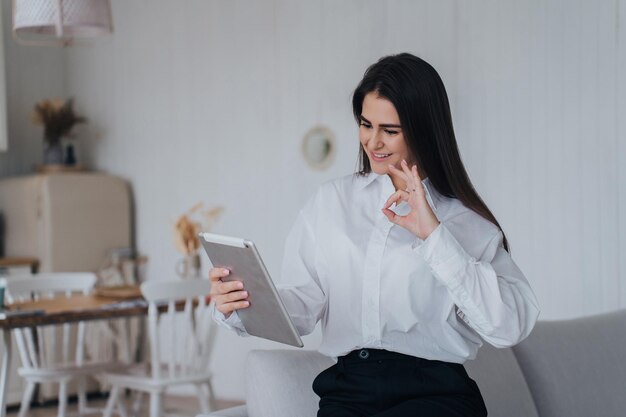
379, 157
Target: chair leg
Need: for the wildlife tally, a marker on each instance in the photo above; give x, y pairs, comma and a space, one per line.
202, 398
27, 398
137, 402
121, 406
82, 396
212, 403
112, 401
155, 404
62, 398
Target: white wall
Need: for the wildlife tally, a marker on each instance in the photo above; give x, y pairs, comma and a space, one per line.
620, 139
538, 105
31, 74
208, 100
3, 102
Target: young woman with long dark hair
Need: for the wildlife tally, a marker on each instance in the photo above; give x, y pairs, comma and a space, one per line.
402, 262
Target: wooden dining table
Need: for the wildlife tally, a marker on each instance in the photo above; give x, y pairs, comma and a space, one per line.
71, 309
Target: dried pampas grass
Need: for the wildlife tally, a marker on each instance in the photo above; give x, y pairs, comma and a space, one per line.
192, 222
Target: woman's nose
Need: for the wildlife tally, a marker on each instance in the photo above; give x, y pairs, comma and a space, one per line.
375, 139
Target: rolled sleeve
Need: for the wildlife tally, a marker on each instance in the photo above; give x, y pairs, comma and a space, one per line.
492, 294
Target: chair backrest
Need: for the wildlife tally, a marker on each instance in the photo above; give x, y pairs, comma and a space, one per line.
44, 348
47, 285
180, 341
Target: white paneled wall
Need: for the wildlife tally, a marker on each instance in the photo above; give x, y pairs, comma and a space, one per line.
31, 75
537, 122
620, 139
208, 100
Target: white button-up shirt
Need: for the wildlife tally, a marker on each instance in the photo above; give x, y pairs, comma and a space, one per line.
373, 284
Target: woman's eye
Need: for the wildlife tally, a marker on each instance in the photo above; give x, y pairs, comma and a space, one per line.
391, 132
365, 125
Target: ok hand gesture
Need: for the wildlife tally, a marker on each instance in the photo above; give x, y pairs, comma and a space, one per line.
421, 220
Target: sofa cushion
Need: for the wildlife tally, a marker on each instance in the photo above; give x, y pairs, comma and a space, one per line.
279, 382
576, 368
501, 383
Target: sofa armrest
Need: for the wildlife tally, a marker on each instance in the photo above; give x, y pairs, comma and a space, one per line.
577, 367
240, 411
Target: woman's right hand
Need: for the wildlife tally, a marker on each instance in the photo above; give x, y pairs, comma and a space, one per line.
228, 296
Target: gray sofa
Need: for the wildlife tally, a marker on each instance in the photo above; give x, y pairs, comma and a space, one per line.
570, 368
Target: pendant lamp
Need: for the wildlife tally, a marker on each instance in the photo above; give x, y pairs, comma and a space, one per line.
60, 22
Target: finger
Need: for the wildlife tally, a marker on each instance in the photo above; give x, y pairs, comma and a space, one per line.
416, 174
236, 296
218, 273
230, 307
399, 195
410, 181
405, 167
418, 180
392, 199
397, 172
394, 218
215, 274
389, 214
228, 287
220, 288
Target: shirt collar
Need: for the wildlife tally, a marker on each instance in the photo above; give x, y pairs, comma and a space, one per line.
431, 193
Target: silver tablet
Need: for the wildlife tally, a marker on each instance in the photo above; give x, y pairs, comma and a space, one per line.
266, 316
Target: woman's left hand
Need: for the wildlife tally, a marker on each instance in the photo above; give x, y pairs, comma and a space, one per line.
421, 220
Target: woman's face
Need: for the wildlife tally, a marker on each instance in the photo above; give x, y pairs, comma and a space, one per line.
381, 135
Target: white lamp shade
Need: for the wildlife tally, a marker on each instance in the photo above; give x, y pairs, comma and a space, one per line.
65, 19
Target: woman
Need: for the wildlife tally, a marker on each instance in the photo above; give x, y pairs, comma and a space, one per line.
403, 263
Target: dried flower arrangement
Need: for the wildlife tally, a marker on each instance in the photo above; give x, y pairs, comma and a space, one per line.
187, 227
58, 118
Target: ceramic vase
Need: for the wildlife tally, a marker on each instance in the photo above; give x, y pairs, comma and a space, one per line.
53, 153
189, 266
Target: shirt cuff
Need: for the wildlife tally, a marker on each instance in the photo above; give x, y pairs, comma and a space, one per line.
233, 322
444, 254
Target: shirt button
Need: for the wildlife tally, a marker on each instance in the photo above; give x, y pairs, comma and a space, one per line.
364, 354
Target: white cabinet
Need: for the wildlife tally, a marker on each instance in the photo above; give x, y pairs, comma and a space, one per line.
69, 221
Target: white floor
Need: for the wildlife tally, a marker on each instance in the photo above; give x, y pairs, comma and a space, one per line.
173, 404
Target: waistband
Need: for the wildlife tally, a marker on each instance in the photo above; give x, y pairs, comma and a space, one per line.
375, 355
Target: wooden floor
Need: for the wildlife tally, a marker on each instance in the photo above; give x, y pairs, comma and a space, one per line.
173, 404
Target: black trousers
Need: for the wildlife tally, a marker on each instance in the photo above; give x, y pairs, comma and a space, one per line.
380, 383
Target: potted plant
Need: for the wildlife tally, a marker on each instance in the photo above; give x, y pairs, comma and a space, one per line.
186, 240
58, 118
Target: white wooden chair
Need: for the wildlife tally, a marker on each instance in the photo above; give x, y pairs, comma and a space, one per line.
47, 356
180, 347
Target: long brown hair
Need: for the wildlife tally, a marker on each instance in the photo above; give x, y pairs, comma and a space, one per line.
417, 92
